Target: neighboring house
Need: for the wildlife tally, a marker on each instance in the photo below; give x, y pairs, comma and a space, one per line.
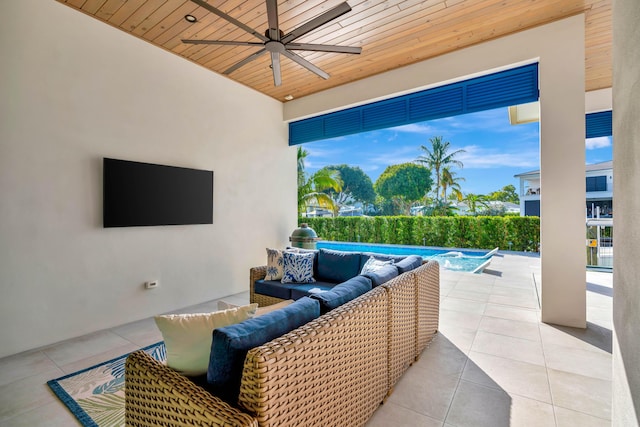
493, 205
317, 212
417, 210
598, 197
350, 211
511, 208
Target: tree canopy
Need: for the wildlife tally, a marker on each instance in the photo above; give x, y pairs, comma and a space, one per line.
404, 183
356, 185
431, 179
506, 194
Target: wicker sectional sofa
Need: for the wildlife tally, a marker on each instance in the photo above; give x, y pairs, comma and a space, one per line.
333, 371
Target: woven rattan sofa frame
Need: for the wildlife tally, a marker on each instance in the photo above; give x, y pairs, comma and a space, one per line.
407, 298
333, 371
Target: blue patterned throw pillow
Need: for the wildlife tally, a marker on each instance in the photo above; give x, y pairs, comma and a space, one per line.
298, 268
275, 264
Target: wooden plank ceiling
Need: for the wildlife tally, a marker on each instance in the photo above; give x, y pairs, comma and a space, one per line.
392, 33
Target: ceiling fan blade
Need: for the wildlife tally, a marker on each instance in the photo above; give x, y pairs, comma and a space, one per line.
316, 22
306, 64
275, 65
244, 61
223, 42
323, 48
272, 15
228, 18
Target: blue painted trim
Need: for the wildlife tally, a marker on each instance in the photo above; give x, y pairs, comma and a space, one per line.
599, 124
511, 87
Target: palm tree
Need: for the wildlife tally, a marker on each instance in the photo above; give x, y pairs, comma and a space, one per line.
311, 190
302, 155
474, 201
449, 180
437, 157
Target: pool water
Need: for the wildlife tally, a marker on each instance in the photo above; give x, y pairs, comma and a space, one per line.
457, 260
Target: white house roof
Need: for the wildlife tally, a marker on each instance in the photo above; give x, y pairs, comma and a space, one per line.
600, 166
588, 168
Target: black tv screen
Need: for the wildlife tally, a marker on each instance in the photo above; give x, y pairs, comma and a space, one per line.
143, 194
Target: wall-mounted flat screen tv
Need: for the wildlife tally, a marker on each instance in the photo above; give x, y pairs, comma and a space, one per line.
144, 194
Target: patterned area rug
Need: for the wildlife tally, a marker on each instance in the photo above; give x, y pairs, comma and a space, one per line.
96, 395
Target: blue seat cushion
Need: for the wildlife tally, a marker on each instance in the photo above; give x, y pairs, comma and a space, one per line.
231, 344
302, 290
342, 293
337, 266
409, 263
274, 288
295, 291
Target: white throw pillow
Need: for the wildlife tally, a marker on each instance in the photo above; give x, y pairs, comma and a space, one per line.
187, 337
373, 265
223, 305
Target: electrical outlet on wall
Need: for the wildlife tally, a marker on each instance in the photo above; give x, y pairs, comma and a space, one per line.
151, 284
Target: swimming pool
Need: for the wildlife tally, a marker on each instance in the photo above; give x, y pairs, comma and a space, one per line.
468, 260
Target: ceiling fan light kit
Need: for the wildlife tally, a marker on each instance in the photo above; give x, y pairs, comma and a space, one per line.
276, 42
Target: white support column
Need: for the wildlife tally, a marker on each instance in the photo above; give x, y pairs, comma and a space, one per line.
625, 408
562, 181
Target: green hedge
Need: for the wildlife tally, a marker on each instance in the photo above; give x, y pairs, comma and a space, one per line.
481, 232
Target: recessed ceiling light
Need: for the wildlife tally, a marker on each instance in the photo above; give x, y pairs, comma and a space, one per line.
190, 18
288, 97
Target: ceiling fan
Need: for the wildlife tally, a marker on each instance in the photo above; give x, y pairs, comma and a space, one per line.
276, 43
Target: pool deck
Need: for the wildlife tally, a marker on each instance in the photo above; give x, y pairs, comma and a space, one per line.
494, 363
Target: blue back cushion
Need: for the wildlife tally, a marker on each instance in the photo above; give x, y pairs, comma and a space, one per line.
409, 263
337, 266
343, 293
382, 274
231, 344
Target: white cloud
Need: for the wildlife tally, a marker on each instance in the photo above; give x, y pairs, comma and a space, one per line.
323, 153
476, 157
395, 156
414, 128
370, 167
601, 142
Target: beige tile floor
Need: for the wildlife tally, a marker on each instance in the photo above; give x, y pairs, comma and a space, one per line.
493, 363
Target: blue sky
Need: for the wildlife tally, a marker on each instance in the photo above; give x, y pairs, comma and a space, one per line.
495, 151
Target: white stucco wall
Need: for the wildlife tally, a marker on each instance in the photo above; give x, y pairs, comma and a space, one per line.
626, 205
559, 48
74, 90
599, 100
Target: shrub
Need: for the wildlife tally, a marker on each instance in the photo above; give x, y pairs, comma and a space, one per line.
481, 232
